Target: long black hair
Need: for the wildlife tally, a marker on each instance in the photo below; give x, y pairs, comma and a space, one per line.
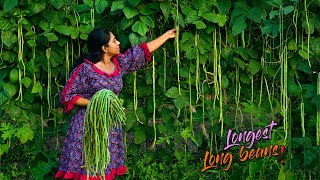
96, 39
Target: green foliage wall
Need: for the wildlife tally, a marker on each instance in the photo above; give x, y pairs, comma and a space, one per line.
235, 64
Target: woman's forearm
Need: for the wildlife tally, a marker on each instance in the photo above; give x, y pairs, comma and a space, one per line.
82, 102
156, 43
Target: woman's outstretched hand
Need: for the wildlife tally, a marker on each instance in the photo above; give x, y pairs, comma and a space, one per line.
171, 33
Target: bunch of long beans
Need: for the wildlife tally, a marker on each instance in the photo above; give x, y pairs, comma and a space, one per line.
104, 111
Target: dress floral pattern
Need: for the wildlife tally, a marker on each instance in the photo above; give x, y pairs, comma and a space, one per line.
85, 81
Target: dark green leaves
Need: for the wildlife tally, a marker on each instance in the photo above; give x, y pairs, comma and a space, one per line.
254, 67
25, 133
140, 28
10, 89
51, 37
134, 2
200, 24
172, 92
37, 87
130, 12
147, 20
14, 75
9, 37
255, 14
216, 18
165, 8
117, 5
63, 29
57, 3
101, 5
8, 5
239, 26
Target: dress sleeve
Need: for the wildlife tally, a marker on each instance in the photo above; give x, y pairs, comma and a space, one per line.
134, 58
74, 87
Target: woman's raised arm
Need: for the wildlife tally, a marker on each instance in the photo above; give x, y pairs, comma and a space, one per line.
156, 43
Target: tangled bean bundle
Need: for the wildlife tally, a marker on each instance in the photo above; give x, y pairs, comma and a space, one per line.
104, 111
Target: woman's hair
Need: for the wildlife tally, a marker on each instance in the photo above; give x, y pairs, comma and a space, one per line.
96, 39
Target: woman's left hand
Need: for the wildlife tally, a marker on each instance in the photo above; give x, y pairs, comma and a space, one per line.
171, 33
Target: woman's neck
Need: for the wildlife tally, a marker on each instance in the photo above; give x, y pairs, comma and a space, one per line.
106, 60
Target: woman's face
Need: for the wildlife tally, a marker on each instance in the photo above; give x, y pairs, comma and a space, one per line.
113, 46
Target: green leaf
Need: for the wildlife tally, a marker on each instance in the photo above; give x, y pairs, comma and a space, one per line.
271, 27
9, 37
100, 5
14, 75
136, 39
130, 12
238, 27
255, 14
4, 148
275, 3
287, 9
254, 66
303, 142
221, 19
273, 14
181, 102
224, 6
85, 28
134, 2
37, 87
292, 45
146, 10
304, 66
57, 3
281, 175
303, 54
45, 25
224, 82
8, 5
125, 23
25, 133
41, 169
26, 81
139, 136
117, 5
83, 8
316, 101
293, 88
147, 20
89, 3
166, 9
216, 18
186, 133
131, 120
51, 37
3, 98
240, 63
200, 24
187, 41
309, 156
74, 32
10, 90
63, 29
140, 28
37, 7
192, 17
254, 167
172, 92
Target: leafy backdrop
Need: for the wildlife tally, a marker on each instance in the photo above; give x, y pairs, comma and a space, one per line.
235, 64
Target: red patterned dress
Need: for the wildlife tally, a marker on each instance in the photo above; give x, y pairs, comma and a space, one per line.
85, 81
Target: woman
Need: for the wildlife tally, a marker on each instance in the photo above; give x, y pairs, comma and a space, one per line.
102, 68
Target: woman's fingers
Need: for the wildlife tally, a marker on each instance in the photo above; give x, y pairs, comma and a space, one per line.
172, 33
